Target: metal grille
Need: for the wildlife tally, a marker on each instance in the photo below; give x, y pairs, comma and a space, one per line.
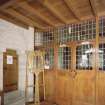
102, 26
64, 57
84, 55
102, 56
49, 57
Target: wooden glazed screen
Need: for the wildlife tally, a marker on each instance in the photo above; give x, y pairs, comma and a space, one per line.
10, 70
82, 82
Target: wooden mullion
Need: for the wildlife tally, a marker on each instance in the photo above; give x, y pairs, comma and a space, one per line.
73, 57
97, 44
55, 57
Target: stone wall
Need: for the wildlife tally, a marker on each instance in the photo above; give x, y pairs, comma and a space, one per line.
19, 39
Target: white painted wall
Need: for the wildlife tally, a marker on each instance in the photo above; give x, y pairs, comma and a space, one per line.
20, 39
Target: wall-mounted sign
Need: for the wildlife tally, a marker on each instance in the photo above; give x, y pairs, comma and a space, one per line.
9, 59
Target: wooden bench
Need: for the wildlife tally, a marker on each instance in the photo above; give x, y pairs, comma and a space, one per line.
2, 98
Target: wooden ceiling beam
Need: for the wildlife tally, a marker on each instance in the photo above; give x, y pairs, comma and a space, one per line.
26, 20
103, 2
93, 7
8, 3
72, 9
54, 11
14, 21
2, 2
33, 11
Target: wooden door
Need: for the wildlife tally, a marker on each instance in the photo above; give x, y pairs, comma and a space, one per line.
84, 78
64, 76
10, 70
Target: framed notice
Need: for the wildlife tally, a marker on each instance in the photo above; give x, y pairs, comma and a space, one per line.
9, 59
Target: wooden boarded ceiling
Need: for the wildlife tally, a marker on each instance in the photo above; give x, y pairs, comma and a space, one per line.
44, 14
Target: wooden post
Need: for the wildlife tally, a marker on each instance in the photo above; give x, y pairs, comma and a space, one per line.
96, 56
55, 50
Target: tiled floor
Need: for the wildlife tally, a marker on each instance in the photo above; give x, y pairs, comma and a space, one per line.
44, 103
21, 102
14, 98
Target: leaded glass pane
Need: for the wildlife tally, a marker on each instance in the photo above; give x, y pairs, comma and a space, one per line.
102, 26
48, 37
102, 56
84, 55
49, 57
64, 58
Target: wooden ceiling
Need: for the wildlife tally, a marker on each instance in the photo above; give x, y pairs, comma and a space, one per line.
44, 14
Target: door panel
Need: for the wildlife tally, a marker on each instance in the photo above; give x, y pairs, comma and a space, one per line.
84, 88
65, 88
100, 92
50, 82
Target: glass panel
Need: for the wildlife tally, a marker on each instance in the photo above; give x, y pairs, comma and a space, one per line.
84, 55
64, 58
49, 58
102, 56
